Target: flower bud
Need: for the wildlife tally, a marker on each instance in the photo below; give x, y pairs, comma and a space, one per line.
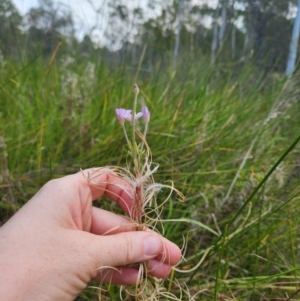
146, 114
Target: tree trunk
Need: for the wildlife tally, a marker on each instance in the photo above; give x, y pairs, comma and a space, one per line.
294, 43
223, 23
252, 37
214, 43
179, 25
233, 31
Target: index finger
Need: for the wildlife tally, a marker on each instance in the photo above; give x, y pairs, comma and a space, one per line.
103, 181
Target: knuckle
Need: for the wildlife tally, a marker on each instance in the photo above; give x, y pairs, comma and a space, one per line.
128, 249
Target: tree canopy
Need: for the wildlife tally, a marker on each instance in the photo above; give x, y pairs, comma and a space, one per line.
238, 30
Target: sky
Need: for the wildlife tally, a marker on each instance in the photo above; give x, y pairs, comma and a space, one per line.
85, 18
84, 15
82, 7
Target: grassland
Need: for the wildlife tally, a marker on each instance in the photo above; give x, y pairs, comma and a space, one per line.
228, 139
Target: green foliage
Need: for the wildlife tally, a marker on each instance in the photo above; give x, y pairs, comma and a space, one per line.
217, 130
57, 118
10, 34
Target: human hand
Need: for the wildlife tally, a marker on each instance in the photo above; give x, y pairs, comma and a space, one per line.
52, 247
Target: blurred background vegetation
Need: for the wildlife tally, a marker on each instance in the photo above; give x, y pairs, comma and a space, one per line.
221, 81
222, 30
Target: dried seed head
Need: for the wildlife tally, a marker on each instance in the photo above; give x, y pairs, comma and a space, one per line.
136, 89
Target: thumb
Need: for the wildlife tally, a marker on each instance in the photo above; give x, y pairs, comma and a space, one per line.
126, 248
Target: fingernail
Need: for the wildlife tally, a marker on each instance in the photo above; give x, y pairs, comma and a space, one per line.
152, 245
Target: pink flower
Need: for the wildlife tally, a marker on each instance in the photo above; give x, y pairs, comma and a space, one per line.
146, 114
123, 114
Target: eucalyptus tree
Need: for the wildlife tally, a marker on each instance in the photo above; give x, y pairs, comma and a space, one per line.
234, 15
294, 44
214, 42
267, 30
51, 16
223, 21
118, 24
47, 24
10, 33
179, 25
158, 31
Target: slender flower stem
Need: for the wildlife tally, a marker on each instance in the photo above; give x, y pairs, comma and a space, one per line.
145, 133
145, 130
134, 151
125, 134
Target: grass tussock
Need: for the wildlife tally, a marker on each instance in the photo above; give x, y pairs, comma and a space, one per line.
228, 142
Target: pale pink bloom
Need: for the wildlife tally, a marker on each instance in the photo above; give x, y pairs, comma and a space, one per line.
146, 114
123, 114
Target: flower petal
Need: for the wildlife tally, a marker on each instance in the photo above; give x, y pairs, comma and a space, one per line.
123, 114
138, 115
